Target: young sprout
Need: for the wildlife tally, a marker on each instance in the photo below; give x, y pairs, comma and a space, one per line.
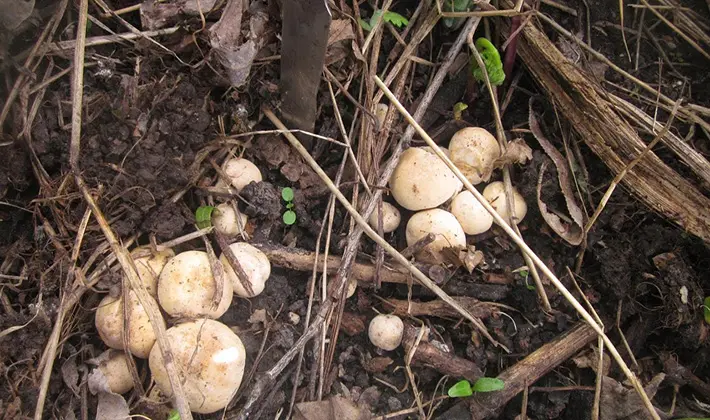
386, 331
392, 17
113, 366
241, 172
390, 218
474, 150
447, 230
186, 287
210, 360
422, 181
289, 216
471, 214
227, 221
255, 264
495, 194
464, 389
109, 324
491, 59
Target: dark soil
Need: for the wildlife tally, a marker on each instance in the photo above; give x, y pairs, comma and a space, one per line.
151, 128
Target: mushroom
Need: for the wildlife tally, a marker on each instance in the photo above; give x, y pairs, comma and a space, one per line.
210, 360
227, 221
474, 150
473, 217
495, 194
447, 230
381, 113
241, 172
109, 324
113, 366
186, 287
149, 269
390, 218
256, 265
352, 287
422, 181
386, 331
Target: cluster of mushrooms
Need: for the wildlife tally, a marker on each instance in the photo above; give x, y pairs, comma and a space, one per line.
423, 183
209, 356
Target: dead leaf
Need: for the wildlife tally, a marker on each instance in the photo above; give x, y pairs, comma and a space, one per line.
70, 374
112, 407
352, 324
590, 359
516, 152
340, 30
573, 233
619, 402
156, 15
258, 317
336, 407
377, 364
471, 258
14, 12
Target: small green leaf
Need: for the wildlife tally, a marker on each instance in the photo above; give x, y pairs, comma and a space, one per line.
396, 19
706, 309
290, 206
203, 216
287, 194
174, 415
488, 385
461, 389
289, 217
492, 62
364, 25
459, 108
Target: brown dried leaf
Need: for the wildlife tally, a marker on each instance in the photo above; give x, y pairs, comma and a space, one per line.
352, 324
340, 30
572, 233
14, 12
471, 258
112, 407
516, 152
156, 15
377, 364
336, 407
590, 359
619, 402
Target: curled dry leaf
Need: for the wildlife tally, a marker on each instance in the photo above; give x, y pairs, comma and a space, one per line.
619, 402
517, 151
340, 30
155, 15
336, 407
471, 258
573, 232
110, 406
377, 364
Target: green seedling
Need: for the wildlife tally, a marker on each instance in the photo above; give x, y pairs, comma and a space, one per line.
289, 216
392, 17
455, 6
203, 216
706, 309
464, 389
459, 108
491, 59
174, 415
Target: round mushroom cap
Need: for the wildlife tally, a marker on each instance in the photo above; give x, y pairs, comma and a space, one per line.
210, 360
352, 287
256, 265
109, 324
113, 365
422, 181
390, 218
386, 331
474, 150
495, 194
226, 221
241, 172
186, 287
150, 267
473, 217
447, 230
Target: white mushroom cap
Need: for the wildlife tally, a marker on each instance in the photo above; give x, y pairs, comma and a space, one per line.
224, 220
473, 151
241, 172
186, 287
113, 366
149, 269
422, 181
390, 218
443, 225
386, 331
352, 287
471, 214
256, 265
109, 324
495, 194
210, 360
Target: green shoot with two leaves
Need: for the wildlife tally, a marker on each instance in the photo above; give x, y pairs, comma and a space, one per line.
491, 59
392, 17
289, 216
464, 389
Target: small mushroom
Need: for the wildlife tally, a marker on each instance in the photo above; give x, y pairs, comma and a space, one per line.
495, 194
422, 181
256, 265
447, 230
227, 221
390, 218
109, 324
210, 360
473, 217
352, 287
186, 287
474, 150
241, 172
113, 366
386, 331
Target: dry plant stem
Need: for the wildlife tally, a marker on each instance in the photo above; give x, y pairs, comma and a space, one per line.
530, 369
423, 279
413, 249
217, 273
500, 134
234, 262
119, 250
439, 308
682, 34
519, 241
